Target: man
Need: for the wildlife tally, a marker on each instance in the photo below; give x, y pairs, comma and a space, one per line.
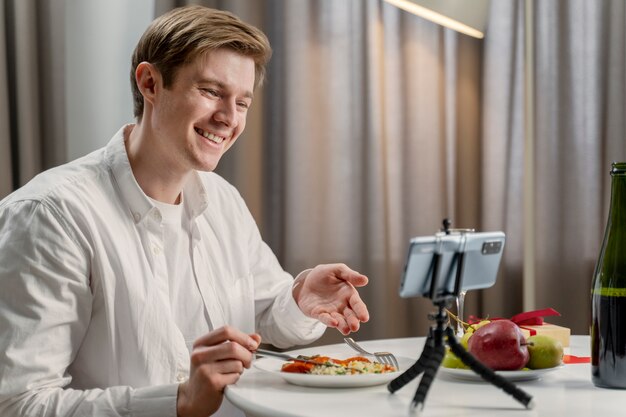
134, 280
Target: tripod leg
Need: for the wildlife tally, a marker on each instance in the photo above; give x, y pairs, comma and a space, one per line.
432, 364
487, 373
417, 368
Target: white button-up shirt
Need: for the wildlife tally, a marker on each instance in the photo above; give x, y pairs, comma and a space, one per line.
85, 329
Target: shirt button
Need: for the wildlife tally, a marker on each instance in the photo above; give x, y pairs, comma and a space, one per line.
181, 377
156, 250
136, 216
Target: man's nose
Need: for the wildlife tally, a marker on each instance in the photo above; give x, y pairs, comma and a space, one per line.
226, 112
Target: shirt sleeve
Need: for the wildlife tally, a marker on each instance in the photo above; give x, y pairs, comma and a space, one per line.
46, 307
279, 320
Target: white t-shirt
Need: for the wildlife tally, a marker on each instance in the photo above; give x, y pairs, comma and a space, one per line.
185, 300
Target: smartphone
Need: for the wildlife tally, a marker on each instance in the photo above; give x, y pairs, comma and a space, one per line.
482, 252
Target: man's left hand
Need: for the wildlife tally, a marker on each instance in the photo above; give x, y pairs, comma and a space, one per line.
328, 294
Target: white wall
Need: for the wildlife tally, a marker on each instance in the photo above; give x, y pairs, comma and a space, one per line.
100, 38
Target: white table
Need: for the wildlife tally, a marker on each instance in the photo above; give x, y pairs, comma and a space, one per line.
566, 392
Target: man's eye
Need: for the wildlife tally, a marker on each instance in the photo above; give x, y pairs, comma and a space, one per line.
210, 92
243, 104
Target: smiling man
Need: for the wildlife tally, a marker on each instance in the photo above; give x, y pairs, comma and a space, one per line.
134, 280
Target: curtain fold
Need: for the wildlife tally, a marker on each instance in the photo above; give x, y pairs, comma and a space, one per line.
577, 76
579, 110
503, 153
31, 100
6, 172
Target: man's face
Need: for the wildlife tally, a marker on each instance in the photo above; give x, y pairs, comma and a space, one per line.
203, 112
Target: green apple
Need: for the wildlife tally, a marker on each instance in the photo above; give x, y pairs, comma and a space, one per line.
450, 360
465, 339
545, 352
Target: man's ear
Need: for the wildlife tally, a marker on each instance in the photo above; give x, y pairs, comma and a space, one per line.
147, 78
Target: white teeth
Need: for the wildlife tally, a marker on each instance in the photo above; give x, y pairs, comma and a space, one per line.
210, 136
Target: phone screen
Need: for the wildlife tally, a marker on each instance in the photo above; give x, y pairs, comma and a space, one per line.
482, 254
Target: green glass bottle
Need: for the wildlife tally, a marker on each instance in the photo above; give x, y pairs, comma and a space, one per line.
608, 293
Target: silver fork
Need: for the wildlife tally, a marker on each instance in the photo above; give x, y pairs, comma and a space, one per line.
385, 358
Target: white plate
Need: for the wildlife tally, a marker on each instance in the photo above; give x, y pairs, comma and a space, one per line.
330, 381
514, 376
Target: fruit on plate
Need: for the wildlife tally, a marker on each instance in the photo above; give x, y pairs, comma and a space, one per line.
500, 345
450, 360
545, 352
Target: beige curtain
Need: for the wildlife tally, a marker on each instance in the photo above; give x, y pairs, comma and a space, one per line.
32, 117
579, 132
6, 175
503, 154
579, 110
373, 126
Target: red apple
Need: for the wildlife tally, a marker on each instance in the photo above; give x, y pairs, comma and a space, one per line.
500, 345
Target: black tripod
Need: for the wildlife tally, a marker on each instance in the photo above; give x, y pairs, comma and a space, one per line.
441, 334
432, 355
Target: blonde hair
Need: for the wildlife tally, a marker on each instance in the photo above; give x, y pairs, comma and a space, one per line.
176, 38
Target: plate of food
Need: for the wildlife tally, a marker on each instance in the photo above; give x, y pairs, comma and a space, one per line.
350, 372
513, 376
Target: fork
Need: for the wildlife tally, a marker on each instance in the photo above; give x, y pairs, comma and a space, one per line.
385, 358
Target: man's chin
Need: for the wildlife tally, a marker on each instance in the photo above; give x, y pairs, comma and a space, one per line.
205, 169
203, 161
206, 166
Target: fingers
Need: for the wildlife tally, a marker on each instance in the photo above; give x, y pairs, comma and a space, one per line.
201, 357
224, 345
359, 308
351, 276
228, 333
338, 321
342, 324
257, 338
223, 352
349, 320
328, 320
356, 279
352, 320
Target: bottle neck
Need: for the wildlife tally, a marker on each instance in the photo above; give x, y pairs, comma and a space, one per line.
611, 269
617, 209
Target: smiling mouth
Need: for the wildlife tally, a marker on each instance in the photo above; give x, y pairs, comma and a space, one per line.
210, 136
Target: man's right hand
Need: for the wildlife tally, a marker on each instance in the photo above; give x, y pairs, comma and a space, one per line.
218, 359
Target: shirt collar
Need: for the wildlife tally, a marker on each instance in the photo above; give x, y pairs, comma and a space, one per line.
138, 202
195, 195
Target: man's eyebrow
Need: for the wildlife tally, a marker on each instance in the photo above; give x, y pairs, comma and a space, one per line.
221, 85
